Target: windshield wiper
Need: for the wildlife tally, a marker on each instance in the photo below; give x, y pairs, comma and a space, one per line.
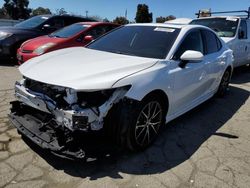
55, 36
123, 53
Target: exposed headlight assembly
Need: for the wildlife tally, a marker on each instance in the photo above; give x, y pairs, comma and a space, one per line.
98, 98
40, 50
4, 35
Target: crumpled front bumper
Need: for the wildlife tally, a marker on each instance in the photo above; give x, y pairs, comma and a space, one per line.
44, 133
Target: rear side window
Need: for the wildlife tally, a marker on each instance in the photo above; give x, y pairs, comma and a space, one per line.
56, 22
193, 41
98, 31
243, 30
211, 42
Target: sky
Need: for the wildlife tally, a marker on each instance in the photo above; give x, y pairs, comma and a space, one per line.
112, 8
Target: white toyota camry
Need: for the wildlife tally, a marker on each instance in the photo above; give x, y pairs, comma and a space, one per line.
129, 83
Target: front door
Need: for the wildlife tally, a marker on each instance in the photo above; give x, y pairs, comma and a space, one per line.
189, 81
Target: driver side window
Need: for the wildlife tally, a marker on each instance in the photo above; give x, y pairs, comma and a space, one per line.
55, 23
193, 41
97, 31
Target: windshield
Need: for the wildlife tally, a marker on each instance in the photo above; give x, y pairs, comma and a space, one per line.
33, 22
69, 31
143, 41
224, 27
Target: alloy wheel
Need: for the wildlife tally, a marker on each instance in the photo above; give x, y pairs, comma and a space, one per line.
148, 123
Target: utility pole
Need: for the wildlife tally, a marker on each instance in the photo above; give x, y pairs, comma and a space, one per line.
126, 13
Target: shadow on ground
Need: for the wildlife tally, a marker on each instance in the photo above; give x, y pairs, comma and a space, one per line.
176, 144
241, 75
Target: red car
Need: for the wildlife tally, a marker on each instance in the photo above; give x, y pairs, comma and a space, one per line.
78, 34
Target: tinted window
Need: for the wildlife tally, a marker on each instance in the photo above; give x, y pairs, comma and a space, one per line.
193, 41
100, 30
211, 42
33, 22
69, 31
143, 41
243, 30
224, 27
219, 45
97, 31
56, 23
71, 20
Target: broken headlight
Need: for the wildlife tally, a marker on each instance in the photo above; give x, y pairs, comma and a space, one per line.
96, 98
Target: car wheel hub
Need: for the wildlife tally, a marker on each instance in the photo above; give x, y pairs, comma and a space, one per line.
148, 123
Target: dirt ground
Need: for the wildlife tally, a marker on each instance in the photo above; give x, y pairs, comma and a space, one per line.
207, 147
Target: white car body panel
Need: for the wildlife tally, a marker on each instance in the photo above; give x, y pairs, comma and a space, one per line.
87, 70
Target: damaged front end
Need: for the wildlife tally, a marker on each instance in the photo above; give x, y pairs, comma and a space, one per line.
53, 116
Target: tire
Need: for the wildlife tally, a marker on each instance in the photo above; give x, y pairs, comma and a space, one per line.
224, 84
136, 125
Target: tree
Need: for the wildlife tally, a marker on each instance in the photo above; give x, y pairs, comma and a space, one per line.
40, 11
3, 14
160, 19
170, 17
164, 19
143, 15
17, 9
96, 17
106, 20
61, 11
121, 20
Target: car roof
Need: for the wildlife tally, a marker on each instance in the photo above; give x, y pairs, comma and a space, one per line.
96, 23
175, 26
66, 15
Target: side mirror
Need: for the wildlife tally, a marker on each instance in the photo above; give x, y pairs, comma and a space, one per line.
48, 29
46, 26
88, 39
190, 55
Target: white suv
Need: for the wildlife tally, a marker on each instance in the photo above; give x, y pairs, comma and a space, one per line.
130, 82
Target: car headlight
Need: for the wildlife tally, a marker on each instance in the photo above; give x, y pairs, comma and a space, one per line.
40, 50
97, 98
4, 35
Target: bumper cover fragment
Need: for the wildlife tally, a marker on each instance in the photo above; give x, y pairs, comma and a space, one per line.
47, 134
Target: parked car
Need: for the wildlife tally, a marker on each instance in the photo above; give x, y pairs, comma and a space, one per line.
234, 31
129, 82
181, 21
78, 34
12, 37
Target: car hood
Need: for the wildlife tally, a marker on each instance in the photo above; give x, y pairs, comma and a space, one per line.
39, 41
83, 69
227, 39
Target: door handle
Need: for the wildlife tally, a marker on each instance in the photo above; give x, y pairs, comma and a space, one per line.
245, 48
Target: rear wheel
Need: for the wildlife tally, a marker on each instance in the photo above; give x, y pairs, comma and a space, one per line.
224, 84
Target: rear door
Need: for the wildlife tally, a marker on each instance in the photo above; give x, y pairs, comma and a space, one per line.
214, 60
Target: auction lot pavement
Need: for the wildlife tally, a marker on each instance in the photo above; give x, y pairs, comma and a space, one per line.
207, 147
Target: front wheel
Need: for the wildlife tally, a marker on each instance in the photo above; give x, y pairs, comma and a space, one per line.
144, 122
224, 84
